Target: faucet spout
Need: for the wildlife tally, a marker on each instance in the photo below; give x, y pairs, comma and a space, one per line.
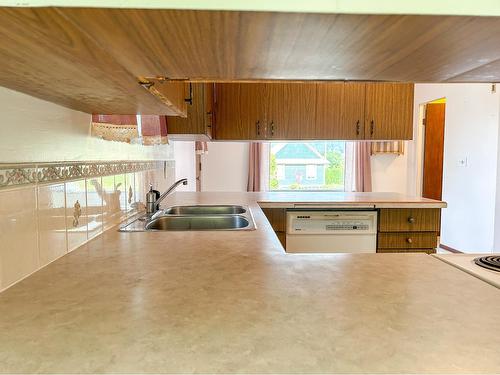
182, 181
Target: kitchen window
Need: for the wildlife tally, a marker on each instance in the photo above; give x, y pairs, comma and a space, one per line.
307, 165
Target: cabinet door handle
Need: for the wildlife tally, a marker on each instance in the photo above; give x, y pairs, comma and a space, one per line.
372, 127
272, 128
409, 240
358, 127
411, 220
257, 124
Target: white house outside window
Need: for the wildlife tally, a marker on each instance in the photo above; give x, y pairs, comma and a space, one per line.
307, 165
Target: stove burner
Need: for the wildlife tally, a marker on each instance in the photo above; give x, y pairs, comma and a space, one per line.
490, 262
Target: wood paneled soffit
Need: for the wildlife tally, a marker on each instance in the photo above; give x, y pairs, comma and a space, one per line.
90, 59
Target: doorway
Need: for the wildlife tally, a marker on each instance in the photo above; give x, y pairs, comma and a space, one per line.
432, 176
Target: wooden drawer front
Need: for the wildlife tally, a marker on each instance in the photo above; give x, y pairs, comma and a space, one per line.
282, 237
409, 220
426, 251
407, 240
277, 218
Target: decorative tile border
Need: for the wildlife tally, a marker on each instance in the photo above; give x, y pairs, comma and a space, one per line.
12, 175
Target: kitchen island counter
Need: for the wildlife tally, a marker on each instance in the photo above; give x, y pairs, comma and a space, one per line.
229, 302
292, 199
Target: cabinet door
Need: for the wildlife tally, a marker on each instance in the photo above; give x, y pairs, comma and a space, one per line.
402, 114
239, 111
328, 124
290, 111
389, 111
254, 101
352, 117
194, 123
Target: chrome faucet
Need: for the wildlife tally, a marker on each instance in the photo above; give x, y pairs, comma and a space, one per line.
152, 207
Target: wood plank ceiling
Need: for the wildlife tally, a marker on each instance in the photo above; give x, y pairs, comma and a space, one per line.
90, 58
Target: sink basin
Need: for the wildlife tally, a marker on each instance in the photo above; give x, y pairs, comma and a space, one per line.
205, 210
220, 222
193, 218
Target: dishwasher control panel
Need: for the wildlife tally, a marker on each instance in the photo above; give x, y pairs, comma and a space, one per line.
329, 222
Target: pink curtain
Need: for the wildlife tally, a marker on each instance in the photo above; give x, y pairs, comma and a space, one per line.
254, 162
362, 167
200, 147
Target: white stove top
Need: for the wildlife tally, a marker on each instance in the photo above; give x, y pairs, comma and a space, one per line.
466, 263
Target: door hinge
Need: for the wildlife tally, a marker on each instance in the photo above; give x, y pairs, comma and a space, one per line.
424, 121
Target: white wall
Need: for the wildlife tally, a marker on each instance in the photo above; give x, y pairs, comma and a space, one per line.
225, 167
185, 164
390, 173
222, 171
471, 131
34, 130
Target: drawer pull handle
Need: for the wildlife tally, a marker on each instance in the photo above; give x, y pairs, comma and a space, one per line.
411, 220
409, 240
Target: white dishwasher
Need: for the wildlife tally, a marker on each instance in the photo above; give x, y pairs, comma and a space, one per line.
331, 232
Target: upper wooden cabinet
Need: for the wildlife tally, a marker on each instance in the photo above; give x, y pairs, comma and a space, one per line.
339, 111
238, 109
314, 110
199, 121
290, 110
389, 111
264, 110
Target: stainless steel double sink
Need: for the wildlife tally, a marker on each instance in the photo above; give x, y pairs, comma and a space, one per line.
194, 218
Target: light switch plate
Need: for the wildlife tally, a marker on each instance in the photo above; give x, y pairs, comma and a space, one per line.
463, 162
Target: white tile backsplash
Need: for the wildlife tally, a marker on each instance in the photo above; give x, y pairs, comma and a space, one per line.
40, 223
18, 235
51, 211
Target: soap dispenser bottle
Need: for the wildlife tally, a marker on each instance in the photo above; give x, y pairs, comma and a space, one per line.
151, 197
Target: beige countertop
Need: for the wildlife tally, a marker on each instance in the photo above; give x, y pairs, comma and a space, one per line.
235, 302
340, 199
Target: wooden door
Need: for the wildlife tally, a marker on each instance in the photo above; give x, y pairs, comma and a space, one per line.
352, 117
432, 186
328, 124
389, 111
290, 110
